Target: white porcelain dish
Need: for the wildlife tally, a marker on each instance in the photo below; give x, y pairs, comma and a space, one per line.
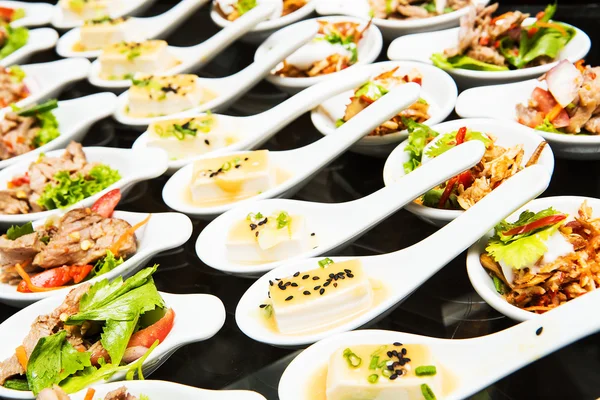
39, 39
133, 165
158, 26
226, 90
293, 162
399, 273
48, 80
75, 117
390, 28
438, 89
198, 317
252, 131
130, 7
165, 390
369, 49
330, 223
266, 28
481, 280
507, 134
163, 231
193, 58
500, 101
420, 47
36, 14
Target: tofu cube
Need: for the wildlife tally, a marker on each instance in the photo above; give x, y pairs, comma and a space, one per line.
124, 59
88, 9
98, 33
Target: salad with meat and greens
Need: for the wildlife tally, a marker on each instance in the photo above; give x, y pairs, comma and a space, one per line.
56, 393
98, 330
233, 9
414, 9
502, 43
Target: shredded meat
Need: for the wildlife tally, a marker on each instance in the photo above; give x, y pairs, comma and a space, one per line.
289, 6
411, 9
17, 135
12, 90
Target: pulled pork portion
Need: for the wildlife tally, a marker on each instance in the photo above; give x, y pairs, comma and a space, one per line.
17, 135
56, 393
232, 9
12, 88
414, 9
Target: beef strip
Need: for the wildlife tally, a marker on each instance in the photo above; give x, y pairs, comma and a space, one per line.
18, 251
14, 202
42, 172
412, 11
589, 100
486, 54
120, 394
17, 134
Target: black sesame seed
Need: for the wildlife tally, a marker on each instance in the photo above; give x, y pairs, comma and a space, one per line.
270, 283
317, 287
326, 283
312, 234
256, 234
321, 291
277, 279
397, 344
335, 285
390, 354
289, 298
294, 284
253, 226
331, 276
395, 353
316, 278
306, 293
393, 377
390, 367
296, 274
348, 271
237, 166
399, 372
305, 276
539, 331
350, 276
288, 283
262, 305
206, 141
403, 352
402, 362
246, 159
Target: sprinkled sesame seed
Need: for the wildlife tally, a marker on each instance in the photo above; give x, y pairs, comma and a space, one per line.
294, 284
398, 344
321, 291
305, 276
335, 284
348, 271
296, 274
262, 305
403, 352
327, 283
289, 298
390, 354
316, 278
270, 283
306, 293
317, 287
393, 377
350, 276
312, 234
539, 331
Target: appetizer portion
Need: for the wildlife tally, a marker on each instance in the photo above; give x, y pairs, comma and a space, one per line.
229, 178
414, 9
56, 182
545, 258
99, 32
12, 87
12, 39
333, 49
501, 43
82, 244
376, 88
387, 371
320, 297
88, 9
152, 95
122, 60
97, 331
188, 137
570, 105
464, 190
56, 393
233, 9
8, 15
22, 131
266, 238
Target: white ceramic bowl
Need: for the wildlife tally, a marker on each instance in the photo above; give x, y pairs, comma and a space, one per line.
133, 165
438, 89
481, 280
420, 47
39, 39
36, 14
197, 317
507, 134
264, 29
369, 49
129, 7
500, 101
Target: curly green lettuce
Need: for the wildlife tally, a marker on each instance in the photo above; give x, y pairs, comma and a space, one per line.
418, 137
17, 38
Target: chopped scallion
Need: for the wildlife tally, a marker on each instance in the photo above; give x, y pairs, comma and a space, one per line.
325, 262
352, 359
426, 370
373, 378
374, 362
427, 392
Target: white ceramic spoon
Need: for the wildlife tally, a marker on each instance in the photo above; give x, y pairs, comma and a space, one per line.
75, 117
420, 47
157, 390
133, 165
500, 101
294, 162
478, 275
39, 39
142, 29
437, 89
198, 317
392, 28
473, 364
254, 130
195, 57
63, 21
47, 80
228, 89
401, 272
330, 222
35, 13
163, 231
508, 134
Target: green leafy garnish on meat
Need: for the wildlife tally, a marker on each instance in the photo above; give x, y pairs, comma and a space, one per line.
66, 190
243, 6
18, 14
418, 137
448, 141
347, 43
463, 62
47, 122
17, 74
547, 126
433, 196
106, 264
17, 38
17, 384
371, 90
16, 231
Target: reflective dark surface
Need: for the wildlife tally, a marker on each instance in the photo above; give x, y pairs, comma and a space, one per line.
446, 306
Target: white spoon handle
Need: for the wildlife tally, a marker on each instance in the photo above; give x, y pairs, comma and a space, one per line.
166, 22
354, 8
329, 147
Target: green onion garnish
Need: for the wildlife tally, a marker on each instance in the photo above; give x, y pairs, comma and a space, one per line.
373, 378
283, 219
40, 108
374, 362
325, 262
352, 359
427, 392
498, 284
386, 372
226, 166
426, 370
378, 351
267, 311
254, 217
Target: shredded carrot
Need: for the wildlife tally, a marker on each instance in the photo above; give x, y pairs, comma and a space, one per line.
22, 356
33, 288
559, 28
579, 65
499, 17
128, 233
89, 395
554, 112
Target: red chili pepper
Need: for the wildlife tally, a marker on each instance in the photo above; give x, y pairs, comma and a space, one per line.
7, 13
366, 99
484, 40
19, 181
447, 192
465, 179
540, 223
532, 31
106, 204
540, 15
460, 135
57, 277
497, 44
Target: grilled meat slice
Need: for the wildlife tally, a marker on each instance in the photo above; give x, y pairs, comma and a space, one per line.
120, 394
42, 172
13, 202
20, 250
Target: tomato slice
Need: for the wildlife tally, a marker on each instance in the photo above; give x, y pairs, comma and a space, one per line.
106, 204
157, 331
57, 277
460, 135
447, 192
540, 223
7, 13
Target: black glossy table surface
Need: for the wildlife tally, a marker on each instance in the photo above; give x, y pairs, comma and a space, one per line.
446, 306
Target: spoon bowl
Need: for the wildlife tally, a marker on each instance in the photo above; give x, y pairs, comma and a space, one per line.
36, 14
65, 20
39, 40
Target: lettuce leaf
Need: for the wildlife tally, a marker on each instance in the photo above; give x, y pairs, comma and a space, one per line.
17, 38
418, 137
433, 196
547, 126
463, 62
447, 142
16, 231
526, 217
106, 264
371, 90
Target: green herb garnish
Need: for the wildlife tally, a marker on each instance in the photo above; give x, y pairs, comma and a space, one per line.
352, 359
418, 137
374, 362
243, 6
16, 231
38, 109
17, 38
427, 392
373, 378
371, 90
325, 262
283, 220
426, 370
106, 264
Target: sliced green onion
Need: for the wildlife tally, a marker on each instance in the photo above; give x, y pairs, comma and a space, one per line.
283, 219
226, 166
378, 351
426, 370
499, 285
40, 108
383, 363
374, 362
386, 372
352, 359
325, 262
373, 378
427, 392
267, 311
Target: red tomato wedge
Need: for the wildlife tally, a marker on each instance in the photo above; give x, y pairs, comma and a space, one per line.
460, 135
546, 103
7, 13
540, 223
106, 204
57, 277
157, 331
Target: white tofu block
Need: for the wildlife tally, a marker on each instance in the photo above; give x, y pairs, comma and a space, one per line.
98, 33
124, 59
341, 298
152, 95
232, 177
347, 382
88, 9
271, 244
